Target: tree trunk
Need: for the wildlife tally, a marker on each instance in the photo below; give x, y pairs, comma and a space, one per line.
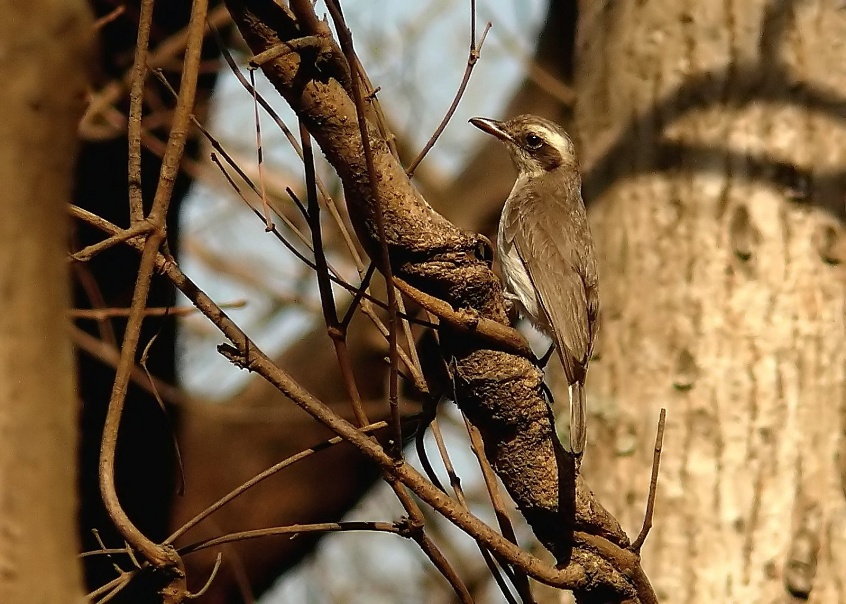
711, 135
44, 43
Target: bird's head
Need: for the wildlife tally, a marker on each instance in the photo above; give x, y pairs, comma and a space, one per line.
537, 145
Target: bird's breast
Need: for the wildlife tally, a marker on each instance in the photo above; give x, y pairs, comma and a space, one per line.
518, 283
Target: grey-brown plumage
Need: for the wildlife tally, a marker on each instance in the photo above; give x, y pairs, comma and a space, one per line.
546, 249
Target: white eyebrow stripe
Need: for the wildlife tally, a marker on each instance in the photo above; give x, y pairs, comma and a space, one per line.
555, 139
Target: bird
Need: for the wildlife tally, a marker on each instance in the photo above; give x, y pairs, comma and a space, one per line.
546, 250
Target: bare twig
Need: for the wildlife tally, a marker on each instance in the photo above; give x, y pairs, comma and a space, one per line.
414, 529
95, 297
455, 482
136, 109
229, 160
637, 544
109, 17
415, 372
98, 314
346, 42
324, 194
114, 588
260, 477
293, 530
429, 412
472, 59
521, 581
177, 453
260, 156
159, 557
330, 313
102, 100
136, 230
121, 580
109, 354
212, 575
359, 294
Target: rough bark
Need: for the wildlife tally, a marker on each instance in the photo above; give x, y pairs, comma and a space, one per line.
712, 137
44, 42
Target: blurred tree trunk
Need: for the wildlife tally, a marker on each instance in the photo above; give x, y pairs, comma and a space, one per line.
44, 42
712, 140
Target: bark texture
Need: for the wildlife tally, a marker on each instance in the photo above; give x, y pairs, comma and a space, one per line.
712, 139
41, 43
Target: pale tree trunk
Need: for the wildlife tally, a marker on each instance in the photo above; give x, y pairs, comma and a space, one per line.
712, 135
43, 59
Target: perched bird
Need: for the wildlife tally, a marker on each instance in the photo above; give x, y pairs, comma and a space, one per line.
546, 250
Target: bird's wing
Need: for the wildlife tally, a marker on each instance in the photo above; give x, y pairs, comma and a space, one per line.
568, 296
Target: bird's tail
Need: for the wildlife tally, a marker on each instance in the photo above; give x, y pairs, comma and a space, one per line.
578, 418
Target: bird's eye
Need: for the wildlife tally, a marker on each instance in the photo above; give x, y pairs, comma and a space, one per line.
533, 141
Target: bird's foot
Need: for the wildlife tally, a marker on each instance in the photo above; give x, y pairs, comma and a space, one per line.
542, 362
547, 393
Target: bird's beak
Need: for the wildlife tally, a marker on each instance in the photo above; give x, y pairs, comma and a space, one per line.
493, 127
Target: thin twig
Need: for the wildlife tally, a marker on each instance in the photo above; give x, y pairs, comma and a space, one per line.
506, 338
429, 411
472, 59
415, 529
109, 17
91, 289
229, 160
177, 453
137, 229
258, 478
455, 482
115, 587
294, 529
415, 372
345, 38
653, 485
260, 156
212, 575
521, 581
107, 552
328, 200
102, 101
108, 354
359, 294
136, 110
106, 587
327, 299
98, 314
106, 226
158, 556
415, 368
